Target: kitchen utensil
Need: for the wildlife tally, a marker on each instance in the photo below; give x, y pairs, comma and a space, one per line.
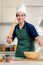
32, 55
38, 49
12, 28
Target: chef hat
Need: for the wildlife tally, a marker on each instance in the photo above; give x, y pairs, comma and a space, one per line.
22, 8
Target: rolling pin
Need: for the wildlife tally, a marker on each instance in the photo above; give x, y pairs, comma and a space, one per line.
12, 28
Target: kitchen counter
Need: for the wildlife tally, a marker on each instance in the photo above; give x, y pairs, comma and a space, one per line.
23, 62
18, 58
18, 61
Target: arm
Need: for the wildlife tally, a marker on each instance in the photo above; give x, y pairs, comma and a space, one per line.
35, 35
39, 40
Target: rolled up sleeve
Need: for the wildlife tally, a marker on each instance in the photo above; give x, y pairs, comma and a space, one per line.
33, 32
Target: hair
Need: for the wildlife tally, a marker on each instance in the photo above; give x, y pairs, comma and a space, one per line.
17, 14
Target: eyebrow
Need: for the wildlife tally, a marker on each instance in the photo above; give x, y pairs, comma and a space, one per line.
19, 15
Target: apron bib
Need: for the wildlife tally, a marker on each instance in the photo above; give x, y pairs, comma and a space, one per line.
25, 43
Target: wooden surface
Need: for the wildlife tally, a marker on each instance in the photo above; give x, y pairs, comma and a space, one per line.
12, 28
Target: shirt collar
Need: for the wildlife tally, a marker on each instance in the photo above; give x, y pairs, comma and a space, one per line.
23, 25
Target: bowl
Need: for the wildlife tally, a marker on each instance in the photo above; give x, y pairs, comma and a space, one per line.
32, 55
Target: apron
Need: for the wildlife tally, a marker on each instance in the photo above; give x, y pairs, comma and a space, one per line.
25, 43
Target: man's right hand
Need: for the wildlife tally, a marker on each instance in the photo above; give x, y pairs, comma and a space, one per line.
9, 39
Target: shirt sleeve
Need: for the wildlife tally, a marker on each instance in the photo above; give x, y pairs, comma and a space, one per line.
33, 32
14, 34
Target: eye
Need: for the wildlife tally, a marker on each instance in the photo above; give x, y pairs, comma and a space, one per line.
18, 15
22, 15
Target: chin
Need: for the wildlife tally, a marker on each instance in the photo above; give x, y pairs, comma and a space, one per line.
20, 21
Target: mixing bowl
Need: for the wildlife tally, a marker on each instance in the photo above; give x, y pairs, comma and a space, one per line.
32, 55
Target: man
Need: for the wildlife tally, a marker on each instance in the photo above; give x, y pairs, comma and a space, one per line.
25, 33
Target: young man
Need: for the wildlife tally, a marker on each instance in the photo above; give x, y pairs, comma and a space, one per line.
25, 33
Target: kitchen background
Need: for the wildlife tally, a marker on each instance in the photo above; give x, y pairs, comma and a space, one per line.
7, 16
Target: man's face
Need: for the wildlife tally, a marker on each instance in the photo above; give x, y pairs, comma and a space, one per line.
20, 17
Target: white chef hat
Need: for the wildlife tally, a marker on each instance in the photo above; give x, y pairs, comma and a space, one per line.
21, 8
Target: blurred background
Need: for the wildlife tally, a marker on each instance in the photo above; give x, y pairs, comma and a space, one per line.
7, 16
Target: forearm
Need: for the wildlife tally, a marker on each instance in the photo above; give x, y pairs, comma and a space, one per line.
39, 40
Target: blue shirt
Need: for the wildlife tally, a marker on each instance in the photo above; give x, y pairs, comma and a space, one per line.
31, 31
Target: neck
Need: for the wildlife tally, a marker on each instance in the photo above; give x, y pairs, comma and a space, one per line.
21, 24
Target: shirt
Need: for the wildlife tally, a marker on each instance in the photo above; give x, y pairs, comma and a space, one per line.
30, 30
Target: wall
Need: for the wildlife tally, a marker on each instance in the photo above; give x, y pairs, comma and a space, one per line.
7, 15
8, 9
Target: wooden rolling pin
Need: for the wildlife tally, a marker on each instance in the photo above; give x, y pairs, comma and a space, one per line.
12, 28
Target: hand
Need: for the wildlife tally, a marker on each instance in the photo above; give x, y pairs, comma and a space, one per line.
9, 40
39, 41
